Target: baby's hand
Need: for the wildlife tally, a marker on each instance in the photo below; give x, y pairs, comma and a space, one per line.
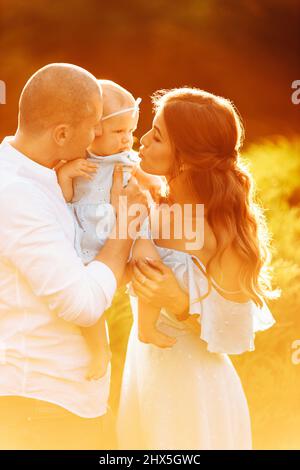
99, 364
193, 323
78, 167
151, 182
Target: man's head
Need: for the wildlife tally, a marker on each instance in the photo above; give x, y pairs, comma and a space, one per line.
117, 129
61, 104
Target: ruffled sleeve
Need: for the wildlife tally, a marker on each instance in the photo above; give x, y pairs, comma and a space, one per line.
226, 326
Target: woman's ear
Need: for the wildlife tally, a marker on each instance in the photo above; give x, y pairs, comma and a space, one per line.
61, 134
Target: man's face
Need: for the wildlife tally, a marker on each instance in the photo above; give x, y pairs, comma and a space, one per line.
84, 133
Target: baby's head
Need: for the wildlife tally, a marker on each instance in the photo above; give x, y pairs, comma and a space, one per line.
119, 121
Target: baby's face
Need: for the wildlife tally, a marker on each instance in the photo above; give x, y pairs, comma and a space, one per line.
117, 135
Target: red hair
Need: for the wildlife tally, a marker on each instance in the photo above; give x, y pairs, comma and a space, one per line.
206, 132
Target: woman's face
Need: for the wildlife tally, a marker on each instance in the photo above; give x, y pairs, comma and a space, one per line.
156, 150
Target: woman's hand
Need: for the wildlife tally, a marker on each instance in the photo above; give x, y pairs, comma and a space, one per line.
122, 198
154, 283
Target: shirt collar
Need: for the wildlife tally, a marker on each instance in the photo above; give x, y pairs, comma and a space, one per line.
128, 156
28, 167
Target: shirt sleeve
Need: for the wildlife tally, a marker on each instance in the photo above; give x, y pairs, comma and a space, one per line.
32, 239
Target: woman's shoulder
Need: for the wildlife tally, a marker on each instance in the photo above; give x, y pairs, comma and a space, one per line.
171, 233
224, 271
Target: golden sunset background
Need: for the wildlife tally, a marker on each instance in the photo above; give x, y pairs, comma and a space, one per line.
245, 50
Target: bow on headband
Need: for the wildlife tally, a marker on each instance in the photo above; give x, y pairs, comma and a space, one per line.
134, 110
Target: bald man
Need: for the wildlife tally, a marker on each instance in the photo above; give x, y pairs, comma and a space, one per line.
46, 292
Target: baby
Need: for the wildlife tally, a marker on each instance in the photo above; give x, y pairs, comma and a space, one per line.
86, 185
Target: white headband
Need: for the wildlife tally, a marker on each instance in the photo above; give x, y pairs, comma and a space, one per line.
134, 109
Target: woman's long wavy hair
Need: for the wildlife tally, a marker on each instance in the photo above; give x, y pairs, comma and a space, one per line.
206, 132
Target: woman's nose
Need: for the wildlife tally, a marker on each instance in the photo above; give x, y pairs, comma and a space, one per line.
143, 140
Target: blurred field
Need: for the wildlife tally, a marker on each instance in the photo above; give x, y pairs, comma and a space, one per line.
270, 379
246, 50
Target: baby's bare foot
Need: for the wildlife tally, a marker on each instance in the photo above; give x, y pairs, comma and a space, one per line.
157, 338
98, 365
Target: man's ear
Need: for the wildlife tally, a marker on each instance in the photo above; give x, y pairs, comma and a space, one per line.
61, 134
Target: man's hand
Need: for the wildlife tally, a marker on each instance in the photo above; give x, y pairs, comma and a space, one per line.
153, 183
132, 194
115, 252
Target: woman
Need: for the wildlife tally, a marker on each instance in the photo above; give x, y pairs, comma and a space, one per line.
189, 396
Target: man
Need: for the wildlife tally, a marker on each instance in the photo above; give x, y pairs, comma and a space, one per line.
46, 292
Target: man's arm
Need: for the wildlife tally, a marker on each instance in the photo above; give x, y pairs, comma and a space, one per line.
32, 239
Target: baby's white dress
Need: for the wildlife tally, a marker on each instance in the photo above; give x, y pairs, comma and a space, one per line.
189, 396
93, 214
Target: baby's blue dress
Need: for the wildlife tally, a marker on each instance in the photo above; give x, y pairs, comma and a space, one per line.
94, 216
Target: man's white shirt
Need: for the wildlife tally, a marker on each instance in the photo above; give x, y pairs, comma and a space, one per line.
46, 292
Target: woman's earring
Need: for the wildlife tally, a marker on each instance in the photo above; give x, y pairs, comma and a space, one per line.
181, 168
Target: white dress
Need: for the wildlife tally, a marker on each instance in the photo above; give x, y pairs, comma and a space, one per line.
190, 396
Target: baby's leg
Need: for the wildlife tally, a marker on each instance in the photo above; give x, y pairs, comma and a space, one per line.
96, 338
148, 333
147, 314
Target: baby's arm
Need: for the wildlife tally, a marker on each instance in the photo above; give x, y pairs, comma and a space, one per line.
66, 185
68, 171
147, 314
